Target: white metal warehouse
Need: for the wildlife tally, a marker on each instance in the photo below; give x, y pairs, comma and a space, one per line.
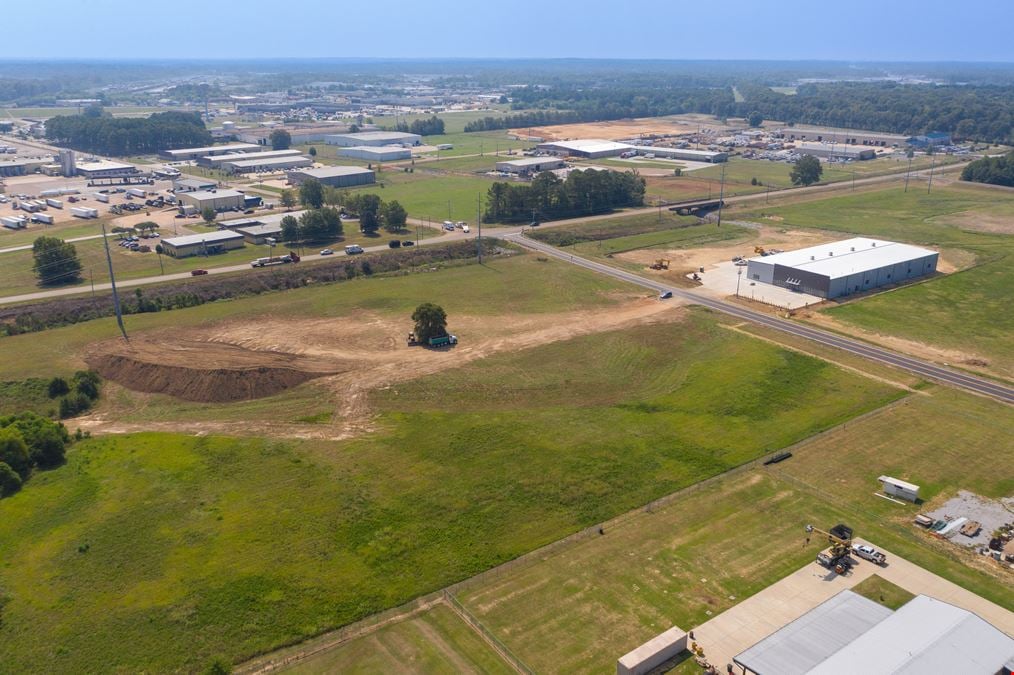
843, 267
388, 153
530, 165
335, 176
588, 147
202, 244
373, 138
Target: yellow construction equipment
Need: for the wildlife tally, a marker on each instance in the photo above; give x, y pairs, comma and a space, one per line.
660, 264
759, 250
837, 556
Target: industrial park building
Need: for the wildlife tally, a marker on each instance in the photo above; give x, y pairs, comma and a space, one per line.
335, 176
299, 134
259, 234
591, 148
373, 139
530, 165
193, 184
202, 244
849, 136
219, 200
843, 267
216, 161
104, 168
836, 150
266, 164
196, 153
686, 154
374, 154
22, 166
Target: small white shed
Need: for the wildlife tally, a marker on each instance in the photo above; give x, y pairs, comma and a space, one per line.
899, 488
653, 653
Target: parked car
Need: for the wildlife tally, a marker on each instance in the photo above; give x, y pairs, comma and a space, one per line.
534, 223
394, 243
665, 295
197, 273
408, 242
327, 251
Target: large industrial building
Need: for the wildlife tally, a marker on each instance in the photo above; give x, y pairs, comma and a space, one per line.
105, 168
843, 267
215, 161
22, 166
299, 134
207, 243
849, 136
835, 150
530, 165
851, 634
373, 139
335, 176
219, 200
266, 164
374, 154
686, 154
196, 153
591, 148
259, 234
193, 184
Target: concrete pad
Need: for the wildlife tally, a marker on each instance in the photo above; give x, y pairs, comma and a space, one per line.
720, 281
757, 617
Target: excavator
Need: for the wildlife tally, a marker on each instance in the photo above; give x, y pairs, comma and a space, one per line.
660, 264
837, 556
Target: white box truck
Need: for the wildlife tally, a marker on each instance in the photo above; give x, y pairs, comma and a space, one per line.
55, 203
84, 212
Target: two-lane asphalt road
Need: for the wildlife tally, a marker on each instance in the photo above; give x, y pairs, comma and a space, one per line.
913, 365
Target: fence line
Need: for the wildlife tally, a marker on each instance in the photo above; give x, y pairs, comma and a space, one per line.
510, 657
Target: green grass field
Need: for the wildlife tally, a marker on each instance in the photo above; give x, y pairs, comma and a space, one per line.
226, 547
437, 641
882, 591
579, 609
967, 311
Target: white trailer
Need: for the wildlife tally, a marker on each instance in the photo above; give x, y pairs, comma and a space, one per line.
42, 218
55, 203
101, 197
59, 192
13, 222
84, 212
137, 192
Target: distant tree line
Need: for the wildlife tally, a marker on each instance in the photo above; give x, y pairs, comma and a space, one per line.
118, 136
974, 112
546, 196
993, 170
430, 126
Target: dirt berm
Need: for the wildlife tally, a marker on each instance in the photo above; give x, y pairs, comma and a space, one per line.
206, 371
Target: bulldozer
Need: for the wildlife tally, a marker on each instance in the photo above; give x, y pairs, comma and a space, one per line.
660, 264
759, 250
837, 557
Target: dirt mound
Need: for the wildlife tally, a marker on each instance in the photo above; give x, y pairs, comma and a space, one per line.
205, 371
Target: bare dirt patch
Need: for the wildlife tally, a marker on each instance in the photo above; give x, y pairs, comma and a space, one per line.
977, 221
628, 128
204, 370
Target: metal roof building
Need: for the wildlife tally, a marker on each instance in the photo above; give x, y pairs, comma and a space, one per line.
104, 168
373, 138
530, 165
219, 200
202, 244
850, 634
836, 150
196, 153
259, 234
687, 154
373, 154
843, 267
266, 164
335, 176
215, 161
590, 147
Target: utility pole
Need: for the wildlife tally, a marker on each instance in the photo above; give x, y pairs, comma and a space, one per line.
853, 181
908, 172
929, 185
478, 224
721, 196
112, 283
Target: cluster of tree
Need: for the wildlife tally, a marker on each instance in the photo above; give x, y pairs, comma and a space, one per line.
430, 321
55, 261
119, 136
806, 171
372, 211
320, 224
431, 126
993, 170
78, 395
546, 196
20, 319
975, 112
28, 441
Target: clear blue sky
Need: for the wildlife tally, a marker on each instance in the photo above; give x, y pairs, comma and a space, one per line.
868, 30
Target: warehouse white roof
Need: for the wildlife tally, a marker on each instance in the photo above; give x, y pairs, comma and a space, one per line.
375, 149
803, 644
589, 145
103, 165
849, 256
687, 151
244, 156
838, 148
207, 238
530, 161
924, 636
331, 171
267, 161
214, 148
259, 230
390, 136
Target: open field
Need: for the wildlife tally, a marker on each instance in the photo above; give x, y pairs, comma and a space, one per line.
115, 111
963, 316
580, 608
629, 128
466, 469
436, 197
436, 641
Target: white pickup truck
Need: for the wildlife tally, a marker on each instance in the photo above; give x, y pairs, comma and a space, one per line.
869, 553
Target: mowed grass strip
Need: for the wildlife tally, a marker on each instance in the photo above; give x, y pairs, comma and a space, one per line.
582, 607
967, 311
160, 552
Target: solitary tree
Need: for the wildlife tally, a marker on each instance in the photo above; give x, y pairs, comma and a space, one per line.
280, 139
395, 216
369, 213
312, 151
754, 119
430, 321
287, 199
208, 214
56, 261
807, 171
290, 229
311, 194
